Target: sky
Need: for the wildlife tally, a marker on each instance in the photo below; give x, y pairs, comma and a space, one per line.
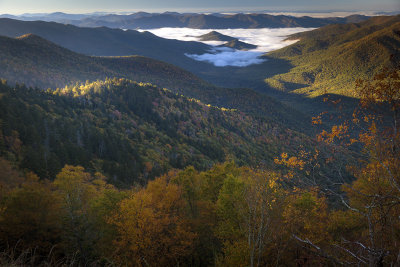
85, 6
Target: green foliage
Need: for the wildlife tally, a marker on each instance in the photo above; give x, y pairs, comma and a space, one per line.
332, 58
86, 202
129, 131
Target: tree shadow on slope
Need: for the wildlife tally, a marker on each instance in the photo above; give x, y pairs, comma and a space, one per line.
251, 76
254, 76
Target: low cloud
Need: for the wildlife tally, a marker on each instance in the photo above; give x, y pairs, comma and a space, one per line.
266, 39
230, 57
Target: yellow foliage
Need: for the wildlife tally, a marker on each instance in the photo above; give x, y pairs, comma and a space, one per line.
151, 226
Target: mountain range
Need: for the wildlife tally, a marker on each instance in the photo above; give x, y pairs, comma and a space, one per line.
104, 41
314, 65
319, 53
145, 20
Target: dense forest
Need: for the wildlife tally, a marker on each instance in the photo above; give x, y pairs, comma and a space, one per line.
226, 215
131, 131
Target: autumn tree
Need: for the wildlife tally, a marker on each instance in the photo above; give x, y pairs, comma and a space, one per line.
79, 191
372, 201
152, 227
9, 178
306, 218
249, 207
375, 194
30, 218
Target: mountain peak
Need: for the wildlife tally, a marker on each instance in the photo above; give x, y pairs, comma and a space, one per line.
215, 36
239, 45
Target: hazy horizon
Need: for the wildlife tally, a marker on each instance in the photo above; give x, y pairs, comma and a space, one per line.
327, 13
18, 7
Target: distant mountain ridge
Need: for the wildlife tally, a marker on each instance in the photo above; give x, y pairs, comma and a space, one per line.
145, 20
107, 42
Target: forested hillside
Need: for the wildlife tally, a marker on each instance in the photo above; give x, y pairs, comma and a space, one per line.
326, 60
45, 64
332, 58
130, 131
